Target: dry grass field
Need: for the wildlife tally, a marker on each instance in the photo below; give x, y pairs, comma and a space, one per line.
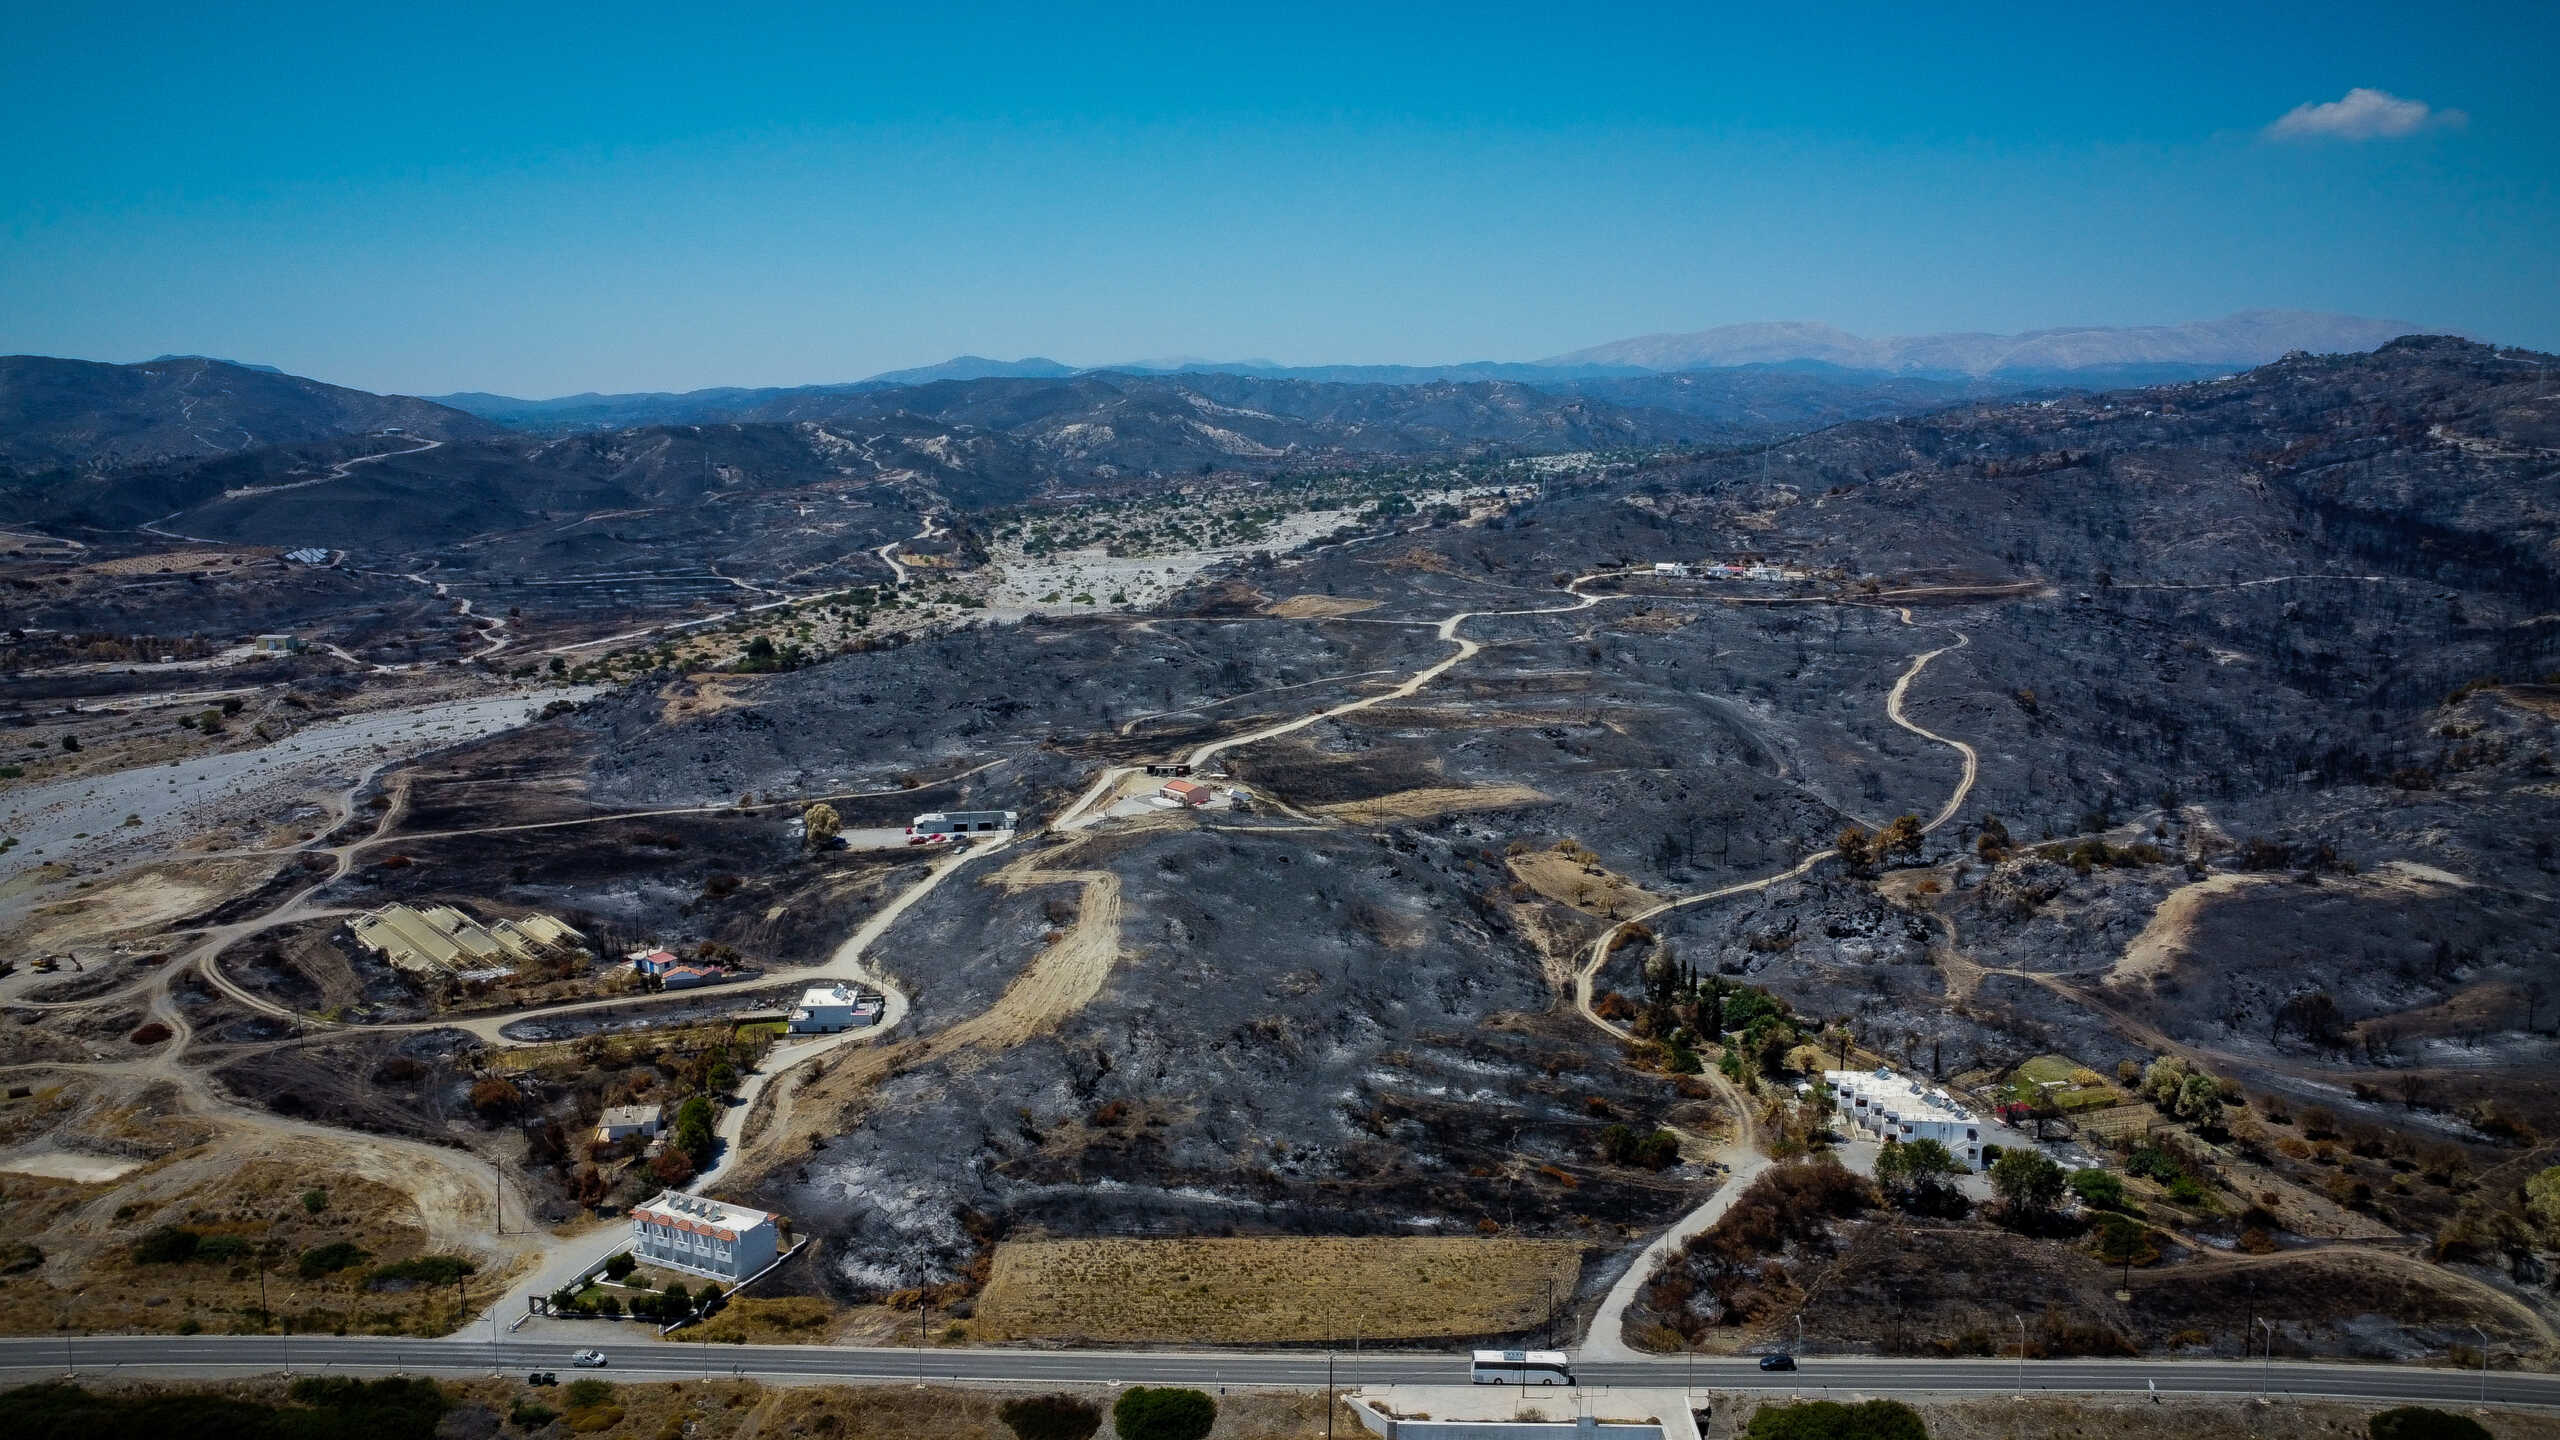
1569, 876
1432, 800
2136, 1419
1278, 1289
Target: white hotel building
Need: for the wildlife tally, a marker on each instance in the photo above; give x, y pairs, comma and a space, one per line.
1882, 1105
677, 1231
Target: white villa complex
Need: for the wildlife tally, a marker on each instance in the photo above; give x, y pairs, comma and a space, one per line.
1882, 1105
678, 1231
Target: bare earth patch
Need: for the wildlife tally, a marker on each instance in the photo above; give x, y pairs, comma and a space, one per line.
1270, 1290
146, 899
1433, 800
1569, 880
2169, 937
1317, 607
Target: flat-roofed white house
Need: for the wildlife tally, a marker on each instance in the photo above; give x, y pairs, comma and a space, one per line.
622, 1122
677, 1231
1882, 1105
826, 1009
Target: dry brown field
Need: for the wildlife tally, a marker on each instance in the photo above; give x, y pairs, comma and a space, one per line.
1272, 1290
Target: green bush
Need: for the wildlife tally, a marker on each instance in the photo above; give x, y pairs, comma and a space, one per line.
620, 1265
1830, 1420
168, 1245
423, 1270
331, 1258
582, 1393
315, 1200
222, 1247
2098, 1189
2417, 1422
531, 1415
1163, 1413
2186, 1191
1051, 1417
2153, 1163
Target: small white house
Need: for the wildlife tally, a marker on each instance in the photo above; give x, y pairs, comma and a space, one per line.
622, 1122
677, 1231
827, 1009
1881, 1105
1671, 567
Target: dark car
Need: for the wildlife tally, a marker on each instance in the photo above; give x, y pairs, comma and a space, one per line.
542, 1377
1777, 1362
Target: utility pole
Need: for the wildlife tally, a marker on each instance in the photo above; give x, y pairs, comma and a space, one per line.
2268, 1361
924, 1312
2484, 1363
2022, 1353
1328, 1393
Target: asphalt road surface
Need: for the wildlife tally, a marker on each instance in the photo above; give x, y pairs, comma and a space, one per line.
198, 1356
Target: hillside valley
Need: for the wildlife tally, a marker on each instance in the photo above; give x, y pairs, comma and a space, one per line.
2222, 715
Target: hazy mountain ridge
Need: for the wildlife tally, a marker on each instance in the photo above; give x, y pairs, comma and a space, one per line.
2250, 337
86, 415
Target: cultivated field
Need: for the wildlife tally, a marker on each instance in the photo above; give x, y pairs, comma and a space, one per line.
1270, 1290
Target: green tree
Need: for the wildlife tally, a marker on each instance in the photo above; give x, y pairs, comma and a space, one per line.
2418, 1422
1163, 1413
692, 1132
620, 1265
2098, 1189
2162, 1080
822, 825
1916, 1171
2542, 1202
1831, 1420
1856, 849
1903, 837
2029, 1185
1051, 1417
2200, 1101
167, 1245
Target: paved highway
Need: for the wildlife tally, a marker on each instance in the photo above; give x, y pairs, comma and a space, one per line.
193, 1356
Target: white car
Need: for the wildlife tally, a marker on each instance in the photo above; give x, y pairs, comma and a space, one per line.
588, 1359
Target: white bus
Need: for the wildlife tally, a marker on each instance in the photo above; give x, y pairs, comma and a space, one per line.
1522, 1367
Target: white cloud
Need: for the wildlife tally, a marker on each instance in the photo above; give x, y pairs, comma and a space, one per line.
2364, 114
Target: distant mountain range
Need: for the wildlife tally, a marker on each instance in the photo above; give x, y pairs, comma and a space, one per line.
1733, 383
83, 415
2252, 337
2081, 357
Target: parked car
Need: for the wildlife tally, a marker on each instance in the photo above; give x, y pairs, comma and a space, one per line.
1777, 1362
588, 1359
542, 1377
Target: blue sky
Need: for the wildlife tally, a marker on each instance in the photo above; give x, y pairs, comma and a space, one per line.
654, 197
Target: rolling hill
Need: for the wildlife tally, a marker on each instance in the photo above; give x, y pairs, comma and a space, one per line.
82, 415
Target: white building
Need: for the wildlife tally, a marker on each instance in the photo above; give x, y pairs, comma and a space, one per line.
830, 1008
677, 1231
1671, 567
1879, 1105
621, 1122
